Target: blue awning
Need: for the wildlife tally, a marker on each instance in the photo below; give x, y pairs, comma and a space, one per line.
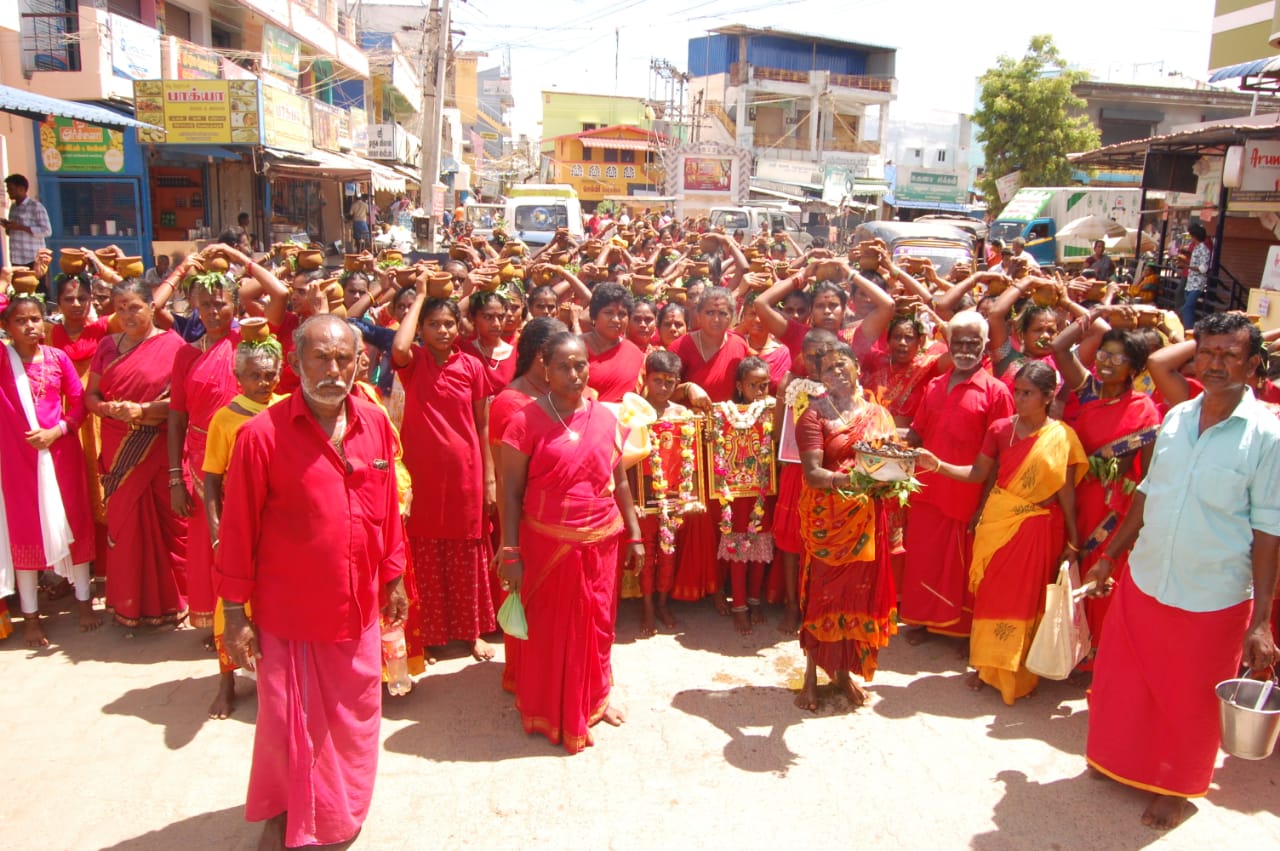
38, 107
1269, 65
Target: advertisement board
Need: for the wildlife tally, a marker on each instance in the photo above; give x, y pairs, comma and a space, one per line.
930, 187
199, 112
286, 121
135, 49
326, 126
67, 145
708, 174
195, 63
281, 52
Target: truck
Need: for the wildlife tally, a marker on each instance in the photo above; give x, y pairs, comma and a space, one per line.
1037, 214
535, 210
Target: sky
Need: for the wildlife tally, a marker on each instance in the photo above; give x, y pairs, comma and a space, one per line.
943, 45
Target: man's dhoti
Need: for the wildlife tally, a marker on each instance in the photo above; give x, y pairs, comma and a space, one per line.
315, 750
935, 578
1153, 714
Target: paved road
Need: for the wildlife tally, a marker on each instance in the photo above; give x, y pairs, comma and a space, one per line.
109, 747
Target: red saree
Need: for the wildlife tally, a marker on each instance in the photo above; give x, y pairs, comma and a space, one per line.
847, 598
147, 555
698, 572
569, 535
1112, 432
203, 383
1016, 547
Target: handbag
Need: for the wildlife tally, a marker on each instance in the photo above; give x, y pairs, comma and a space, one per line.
511, 617
1062, 639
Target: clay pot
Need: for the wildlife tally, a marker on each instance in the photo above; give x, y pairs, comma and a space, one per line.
510, 272
309, 259
439, 285
1097, 291
701, 269
558, 258
334, 295
543, 275
71, 261
677, 294
24, 280
828, 270
406, 276
391, 256
130, 267
459, 252
757, 281
107, 255
514, 248
254, 329
478, 243
218, 263
357, 263
994, 288
643, 286
1149, 318
590, 273
1045, 296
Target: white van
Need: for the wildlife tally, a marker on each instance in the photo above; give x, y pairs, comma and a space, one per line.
535, 210
750, 219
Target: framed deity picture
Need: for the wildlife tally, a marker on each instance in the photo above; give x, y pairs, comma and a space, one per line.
740, 448
677, 479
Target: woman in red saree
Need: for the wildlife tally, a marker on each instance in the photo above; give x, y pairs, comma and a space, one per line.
1117, 426
203, 383
616, 362
1026, 529
78, 338
129, 389
846, 585
488, 312
44, 507
709, 360
566, 504
523, 389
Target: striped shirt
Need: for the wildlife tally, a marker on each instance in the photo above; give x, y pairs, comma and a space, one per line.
23, 246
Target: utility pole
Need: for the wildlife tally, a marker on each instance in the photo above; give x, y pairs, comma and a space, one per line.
432, 108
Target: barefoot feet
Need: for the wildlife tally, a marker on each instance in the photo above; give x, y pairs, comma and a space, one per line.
790, 623
481, 650
852, 691
721, 603
225, 700
741, 620
664, 614
917, 635
32, 631
973, 682
757, 612
807, 699
1164, 812
613, 716
89, 619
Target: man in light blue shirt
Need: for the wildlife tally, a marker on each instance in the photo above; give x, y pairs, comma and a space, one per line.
1202, 578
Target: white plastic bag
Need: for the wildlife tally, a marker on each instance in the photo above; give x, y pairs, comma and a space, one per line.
1062, 639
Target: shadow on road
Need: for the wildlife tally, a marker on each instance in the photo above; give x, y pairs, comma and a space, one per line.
1248, 786
717, 635
1078, 812
733, 710
471, 719
224, 829
107, 643
932, 694
181, 706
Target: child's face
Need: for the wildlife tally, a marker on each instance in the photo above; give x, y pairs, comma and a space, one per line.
259, 378
754, 385
658, 386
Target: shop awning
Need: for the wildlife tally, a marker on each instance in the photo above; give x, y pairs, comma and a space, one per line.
1269, 65
316, 165
38, 107
177, 153
411, 174
868, 187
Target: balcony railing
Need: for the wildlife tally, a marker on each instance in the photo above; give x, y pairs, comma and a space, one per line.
740, 73
50, 41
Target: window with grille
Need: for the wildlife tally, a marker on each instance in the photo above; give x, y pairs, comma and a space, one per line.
50, 35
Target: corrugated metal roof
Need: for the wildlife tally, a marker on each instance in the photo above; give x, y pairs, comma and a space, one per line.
38, 107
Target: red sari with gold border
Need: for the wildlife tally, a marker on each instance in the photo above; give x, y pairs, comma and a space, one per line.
147, 555
569, 535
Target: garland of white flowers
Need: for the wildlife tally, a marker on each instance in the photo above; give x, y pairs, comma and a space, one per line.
736, 418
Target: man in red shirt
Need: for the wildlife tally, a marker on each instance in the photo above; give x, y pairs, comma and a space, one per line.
957, 409
311, 534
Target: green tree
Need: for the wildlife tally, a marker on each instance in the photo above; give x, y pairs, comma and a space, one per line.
1028, 120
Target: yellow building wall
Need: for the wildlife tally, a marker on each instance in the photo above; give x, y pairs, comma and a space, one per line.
564, 113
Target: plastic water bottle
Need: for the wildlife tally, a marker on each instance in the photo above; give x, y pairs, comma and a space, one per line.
395, 658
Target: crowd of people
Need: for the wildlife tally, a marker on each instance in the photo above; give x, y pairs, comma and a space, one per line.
295, 460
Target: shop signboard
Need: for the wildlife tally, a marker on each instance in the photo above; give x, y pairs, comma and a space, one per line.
790, 171
326, 123
708, 174
135, 49
281, 52
67, 145
199, 112
196, 63
286, 121
920, 186
359, 131
384, 141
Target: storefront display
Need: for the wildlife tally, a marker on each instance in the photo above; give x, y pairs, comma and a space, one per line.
178, 203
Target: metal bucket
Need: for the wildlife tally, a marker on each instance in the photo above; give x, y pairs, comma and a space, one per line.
1248, 733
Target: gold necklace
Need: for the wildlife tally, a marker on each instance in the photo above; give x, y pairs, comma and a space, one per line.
573, 435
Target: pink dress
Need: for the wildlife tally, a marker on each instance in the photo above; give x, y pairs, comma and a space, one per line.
57, 395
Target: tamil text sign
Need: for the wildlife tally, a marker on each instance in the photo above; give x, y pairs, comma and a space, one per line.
198, 112
67, 145
286, 121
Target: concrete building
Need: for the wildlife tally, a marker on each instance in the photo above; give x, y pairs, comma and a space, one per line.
605, 162
566, 113
928, 162
792, 97
282, 137
1123, 112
